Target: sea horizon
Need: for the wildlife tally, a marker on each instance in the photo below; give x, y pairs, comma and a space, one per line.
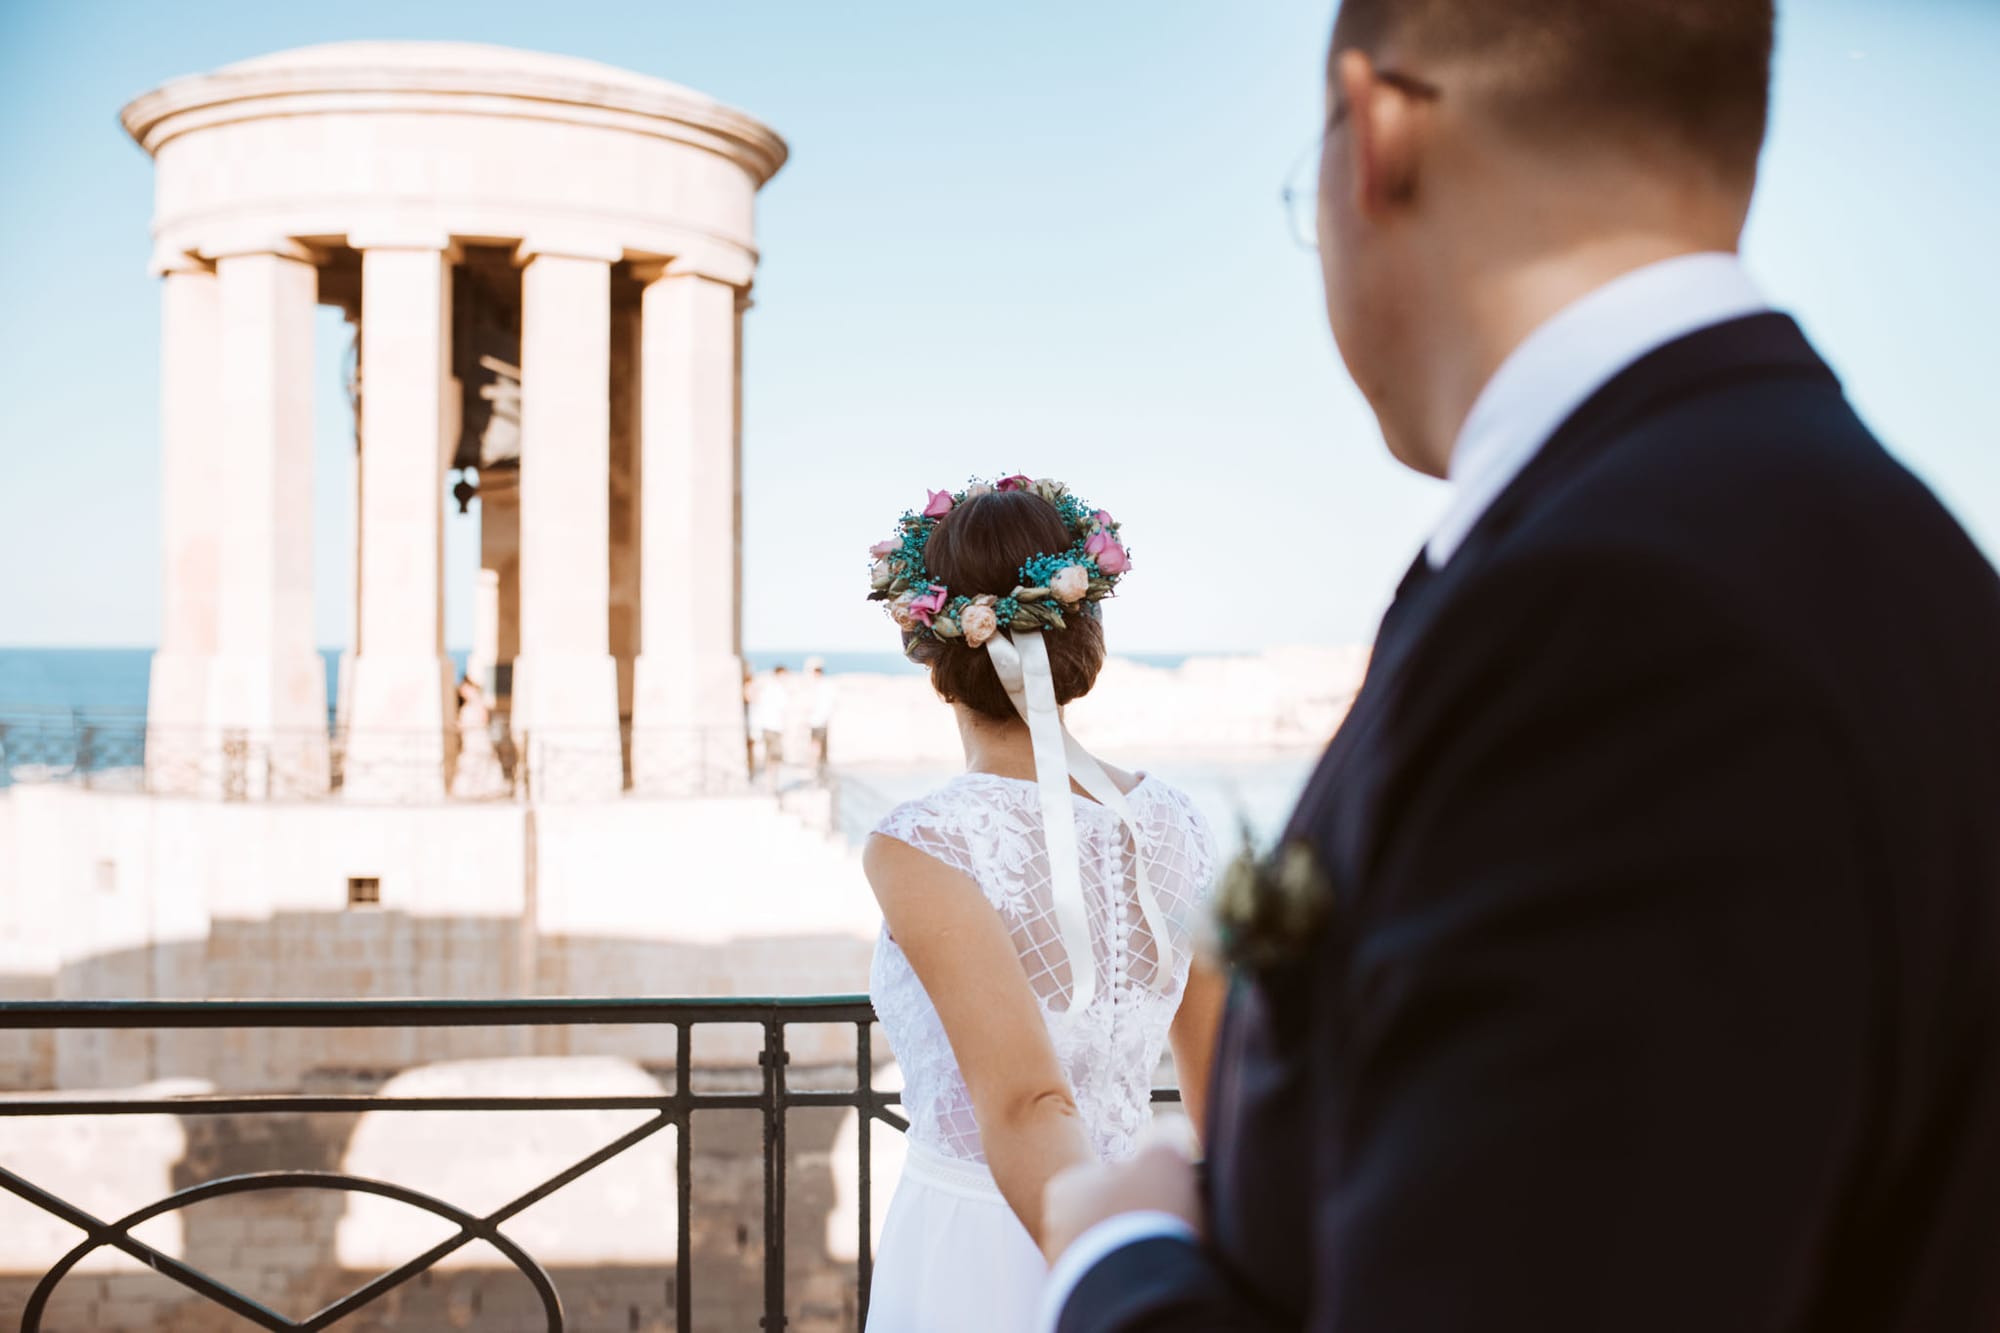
115, 678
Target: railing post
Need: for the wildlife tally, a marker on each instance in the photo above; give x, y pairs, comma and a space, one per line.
864, 1085
683, 1180
774, 1059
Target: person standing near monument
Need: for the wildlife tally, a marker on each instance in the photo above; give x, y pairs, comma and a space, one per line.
819, 711
770, 715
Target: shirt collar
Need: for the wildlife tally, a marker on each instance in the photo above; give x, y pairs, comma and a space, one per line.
1569, 358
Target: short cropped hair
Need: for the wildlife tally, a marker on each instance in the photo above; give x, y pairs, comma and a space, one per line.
1696, 72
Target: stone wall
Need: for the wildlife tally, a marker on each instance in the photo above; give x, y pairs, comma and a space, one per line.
111, 895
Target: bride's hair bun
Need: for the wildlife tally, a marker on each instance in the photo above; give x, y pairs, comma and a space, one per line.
979, 549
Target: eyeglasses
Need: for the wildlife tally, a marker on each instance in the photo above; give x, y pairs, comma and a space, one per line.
1301, 192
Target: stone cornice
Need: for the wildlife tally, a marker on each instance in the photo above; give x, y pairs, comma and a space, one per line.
567, 245
730, 265
254, 92
238, 245
404, 238
168, 259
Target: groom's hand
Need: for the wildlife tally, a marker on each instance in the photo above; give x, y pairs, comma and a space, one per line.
1160, 1179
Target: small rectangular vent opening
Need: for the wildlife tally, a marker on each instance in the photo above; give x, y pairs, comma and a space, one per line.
364, 890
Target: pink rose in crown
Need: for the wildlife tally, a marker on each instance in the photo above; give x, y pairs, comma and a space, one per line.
925, 609
1070, 583
1018, 482
1109, 553
1104, 519
883, 549
939, 506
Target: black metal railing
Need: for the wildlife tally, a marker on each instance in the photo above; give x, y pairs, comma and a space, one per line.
774, 1100
122, 750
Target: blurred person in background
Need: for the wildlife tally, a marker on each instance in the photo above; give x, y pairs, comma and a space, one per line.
819, 710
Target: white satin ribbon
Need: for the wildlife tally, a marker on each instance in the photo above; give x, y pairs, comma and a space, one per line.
1022, 665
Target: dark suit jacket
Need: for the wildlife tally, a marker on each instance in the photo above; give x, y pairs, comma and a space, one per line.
1662, 987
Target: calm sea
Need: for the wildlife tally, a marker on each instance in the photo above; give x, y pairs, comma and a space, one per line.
114, 679
98, 680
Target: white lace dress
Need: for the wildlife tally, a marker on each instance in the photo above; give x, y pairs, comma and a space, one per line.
953, 1258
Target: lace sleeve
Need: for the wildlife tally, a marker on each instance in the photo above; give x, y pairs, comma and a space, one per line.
918, 823
1191, 846
1208, 853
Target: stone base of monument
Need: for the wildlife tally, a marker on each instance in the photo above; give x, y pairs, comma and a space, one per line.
397, 743
565, 722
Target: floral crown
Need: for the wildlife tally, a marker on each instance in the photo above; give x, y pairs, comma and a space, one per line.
1051, 586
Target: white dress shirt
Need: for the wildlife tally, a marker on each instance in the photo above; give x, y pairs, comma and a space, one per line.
1560, 365
1549, 376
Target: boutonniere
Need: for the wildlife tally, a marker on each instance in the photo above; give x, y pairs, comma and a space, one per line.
1268, 909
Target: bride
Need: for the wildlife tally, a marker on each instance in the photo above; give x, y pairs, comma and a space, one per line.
1035, 955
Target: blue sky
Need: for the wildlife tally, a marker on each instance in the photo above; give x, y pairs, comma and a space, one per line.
1038, 237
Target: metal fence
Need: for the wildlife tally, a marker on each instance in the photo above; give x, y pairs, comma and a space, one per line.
675, 1109
121, 750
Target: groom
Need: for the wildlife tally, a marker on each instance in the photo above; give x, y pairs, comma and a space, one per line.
1634, 963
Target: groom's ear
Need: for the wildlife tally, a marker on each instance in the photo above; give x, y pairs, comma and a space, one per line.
1385, 137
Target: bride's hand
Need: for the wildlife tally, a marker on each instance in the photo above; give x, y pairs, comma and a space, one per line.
1160, 1179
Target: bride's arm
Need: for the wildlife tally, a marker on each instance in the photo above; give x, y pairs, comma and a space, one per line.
1193, 1038
963, 955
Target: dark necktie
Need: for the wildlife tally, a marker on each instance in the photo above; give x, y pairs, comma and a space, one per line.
1408, 591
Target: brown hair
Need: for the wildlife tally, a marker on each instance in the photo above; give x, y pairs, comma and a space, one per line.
1696, 73
979, 548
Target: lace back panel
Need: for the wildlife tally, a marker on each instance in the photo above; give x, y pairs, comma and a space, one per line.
988, 828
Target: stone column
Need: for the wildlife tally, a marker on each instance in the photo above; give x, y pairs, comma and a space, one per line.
565, 704
191, 519
267, 687
396, 726
687, 712
500, 561
481, 662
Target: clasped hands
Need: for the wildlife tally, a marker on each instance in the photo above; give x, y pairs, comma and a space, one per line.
1158, 1179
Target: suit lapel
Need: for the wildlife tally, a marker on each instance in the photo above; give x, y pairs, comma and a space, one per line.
1755, 346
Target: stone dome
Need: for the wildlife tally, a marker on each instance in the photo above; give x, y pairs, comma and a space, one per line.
482, 143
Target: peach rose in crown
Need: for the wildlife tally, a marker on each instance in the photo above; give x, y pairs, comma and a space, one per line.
979, 624
883, 549
1070, 583
899, 611
1109, 553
